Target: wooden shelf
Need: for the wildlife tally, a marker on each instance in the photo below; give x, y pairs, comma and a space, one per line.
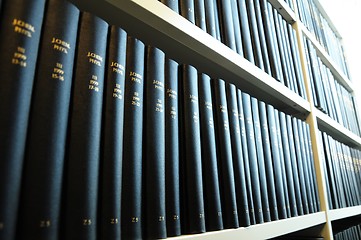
186, 43
336, 130
265, 230
284, 9
337, 214
326, 59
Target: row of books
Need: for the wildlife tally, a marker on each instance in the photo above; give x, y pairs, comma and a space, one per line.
104, 136
328, 94
342, 166
351, 233
255, 30
317, 24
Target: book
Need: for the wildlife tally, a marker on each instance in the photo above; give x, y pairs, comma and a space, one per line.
186, 9
260, 160
112, 137
172, 145
42, 182
82, 166
172, 4
270, 178
237, 28
211, 18
192, 155
244, 146
245, 31
280, 193
226, 24
211, 188
225, 157
154, 159
200, 14
21, 25
237, 154
132, 175
252, 154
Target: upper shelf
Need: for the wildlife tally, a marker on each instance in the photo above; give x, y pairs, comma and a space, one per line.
336, 130
156, 24
283, 8
264, 230
326, 59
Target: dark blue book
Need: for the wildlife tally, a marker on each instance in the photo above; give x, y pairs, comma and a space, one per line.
237, 153
186, 9
192, 156
225, 157
154, 159
41, 195
280, 193
200, 14
21, 24
112, 150
247, 170
226, 23
294, 166
172, 4
288, 165
211, 19
212, 196
82, 174
260, 160
300, 165
237, 27
252, 158
271, 188
245, 31
172, 149
132, 194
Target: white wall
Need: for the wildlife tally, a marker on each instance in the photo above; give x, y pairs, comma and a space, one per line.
346, 16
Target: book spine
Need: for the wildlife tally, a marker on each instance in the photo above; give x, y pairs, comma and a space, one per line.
252, 158
254, 34
195, 222
211, 18
244, 145
172, 4
260, 160
40, 200
245, 31
270, 178
226, 23
21, 24
282, 163
85, 129
228, 191
172, 149
212, 197
280, 194
294, 165
132, 195
154, 160
237, 153
237, 27
112, 150
186, 9
200, 14
288, 164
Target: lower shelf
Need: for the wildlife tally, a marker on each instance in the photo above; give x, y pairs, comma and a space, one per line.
265, 230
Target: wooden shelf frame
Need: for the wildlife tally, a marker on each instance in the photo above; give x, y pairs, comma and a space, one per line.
341, 213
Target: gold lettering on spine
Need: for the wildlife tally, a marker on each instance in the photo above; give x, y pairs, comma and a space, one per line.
135, 219
45, 223
136, 99
22, 27
161, 219
175, 217
158, 85
117, 91
87, 222
19, 57
94, 84
60, 45
58, 72
114, 221
95, 58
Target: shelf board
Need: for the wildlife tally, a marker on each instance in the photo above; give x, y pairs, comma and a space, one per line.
186, 43
337, 214
265, 230
284, 9
336, 130
326, 59
328, 19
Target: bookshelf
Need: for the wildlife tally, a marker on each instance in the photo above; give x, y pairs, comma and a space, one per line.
156, 24
186, 42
